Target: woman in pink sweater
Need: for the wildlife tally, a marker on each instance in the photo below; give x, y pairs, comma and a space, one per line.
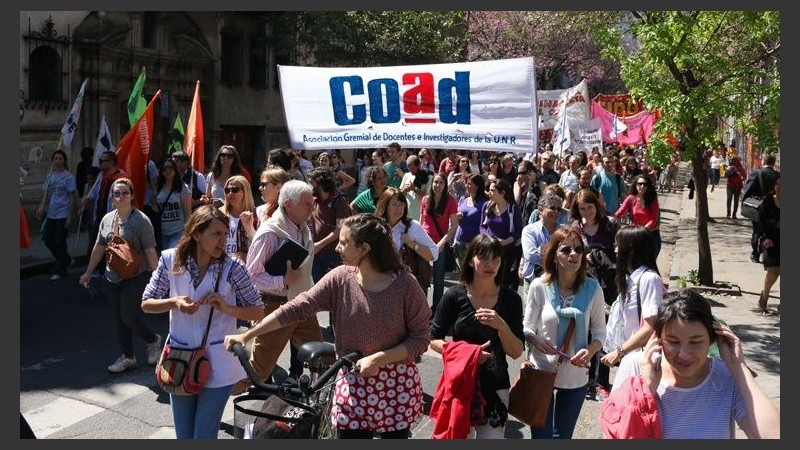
642, 206
377, 308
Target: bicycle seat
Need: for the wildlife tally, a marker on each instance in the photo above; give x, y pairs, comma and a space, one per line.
323, 352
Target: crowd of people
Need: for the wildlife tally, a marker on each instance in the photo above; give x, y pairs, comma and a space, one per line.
536, 240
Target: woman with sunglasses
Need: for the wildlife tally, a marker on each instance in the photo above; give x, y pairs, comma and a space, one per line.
173, 204
456, 180
333, 161
272, 179
125, 295
241, 211
226, 164
641, 205
564, 292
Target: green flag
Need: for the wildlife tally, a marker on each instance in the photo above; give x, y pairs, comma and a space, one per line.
177, 136
136, 102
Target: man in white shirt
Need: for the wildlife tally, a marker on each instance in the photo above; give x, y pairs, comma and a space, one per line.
415, 184
569, 178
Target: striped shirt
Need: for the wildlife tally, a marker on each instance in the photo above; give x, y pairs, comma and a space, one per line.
682, 415
238, 278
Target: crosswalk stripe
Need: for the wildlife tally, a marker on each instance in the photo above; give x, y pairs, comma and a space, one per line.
59, 414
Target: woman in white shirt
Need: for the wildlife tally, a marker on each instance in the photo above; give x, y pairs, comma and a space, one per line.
633, 314
562, 293
393, 207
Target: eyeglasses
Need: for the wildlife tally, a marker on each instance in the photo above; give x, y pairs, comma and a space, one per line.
226, 155
120, 194
567, 250
554, 208
232, 189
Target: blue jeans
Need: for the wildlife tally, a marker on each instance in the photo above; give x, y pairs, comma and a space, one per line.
560, 425
198, 416
437, 279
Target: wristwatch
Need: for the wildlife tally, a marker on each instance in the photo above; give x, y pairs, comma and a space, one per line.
621, 351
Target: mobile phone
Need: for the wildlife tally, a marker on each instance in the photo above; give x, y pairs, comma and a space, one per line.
656, 358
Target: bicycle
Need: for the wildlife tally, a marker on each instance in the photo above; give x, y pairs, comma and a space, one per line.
310, 397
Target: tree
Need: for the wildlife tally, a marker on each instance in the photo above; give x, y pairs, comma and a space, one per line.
563, 43
696, 67
381, 38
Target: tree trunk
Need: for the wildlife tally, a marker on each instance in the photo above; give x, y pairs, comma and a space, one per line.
705, 269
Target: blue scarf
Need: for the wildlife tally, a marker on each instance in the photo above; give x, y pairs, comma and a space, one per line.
583, 297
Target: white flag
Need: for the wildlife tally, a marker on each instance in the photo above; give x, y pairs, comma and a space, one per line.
68, 130
617, 128
103, 143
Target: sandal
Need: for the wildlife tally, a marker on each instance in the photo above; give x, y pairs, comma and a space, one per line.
762, 303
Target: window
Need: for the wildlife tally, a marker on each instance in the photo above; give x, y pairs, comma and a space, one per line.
149, 30
258, 62
231, 60
45, 80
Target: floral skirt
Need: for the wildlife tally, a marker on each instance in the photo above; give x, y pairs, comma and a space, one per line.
389, 401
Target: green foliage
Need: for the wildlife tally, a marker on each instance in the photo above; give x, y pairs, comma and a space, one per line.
382, 38
696, 67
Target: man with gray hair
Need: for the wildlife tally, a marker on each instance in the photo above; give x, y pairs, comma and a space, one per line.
535, 237
289, 221
415, 184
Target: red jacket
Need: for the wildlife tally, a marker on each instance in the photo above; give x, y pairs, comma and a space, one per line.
451, 403
630, 412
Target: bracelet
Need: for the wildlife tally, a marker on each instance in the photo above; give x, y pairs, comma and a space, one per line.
621, 351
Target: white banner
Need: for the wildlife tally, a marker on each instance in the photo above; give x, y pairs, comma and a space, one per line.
550, 104
103, 143
68, 130
483, 105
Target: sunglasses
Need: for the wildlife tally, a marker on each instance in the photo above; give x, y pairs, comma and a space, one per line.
567, 250
264, 184
120, 194
232, 189
226, 155
522, 173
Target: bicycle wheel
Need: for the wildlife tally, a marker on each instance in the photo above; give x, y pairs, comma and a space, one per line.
325, 429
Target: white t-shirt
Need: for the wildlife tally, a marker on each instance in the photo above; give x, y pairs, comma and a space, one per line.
648, 286
716, 161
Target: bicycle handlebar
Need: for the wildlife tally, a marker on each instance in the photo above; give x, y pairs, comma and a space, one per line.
273, 389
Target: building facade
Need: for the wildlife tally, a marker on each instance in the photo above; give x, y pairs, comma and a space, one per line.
234, 55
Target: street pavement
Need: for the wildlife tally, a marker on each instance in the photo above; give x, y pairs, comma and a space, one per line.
67, 337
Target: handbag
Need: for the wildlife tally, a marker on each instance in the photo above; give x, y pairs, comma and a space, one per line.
448, 254
530, 396
279, 418
417, 265
751, 206
120, 256
185, 371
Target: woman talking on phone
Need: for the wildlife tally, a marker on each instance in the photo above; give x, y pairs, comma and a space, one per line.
685, 329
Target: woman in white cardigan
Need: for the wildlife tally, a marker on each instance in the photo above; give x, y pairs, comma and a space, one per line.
564, 292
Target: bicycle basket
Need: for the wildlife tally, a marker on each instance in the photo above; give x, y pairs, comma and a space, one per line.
261, 416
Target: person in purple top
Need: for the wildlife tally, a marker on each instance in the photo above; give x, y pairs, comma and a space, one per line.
502, 219
470, 207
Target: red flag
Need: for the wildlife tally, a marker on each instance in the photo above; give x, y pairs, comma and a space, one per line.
133, 151
193, 143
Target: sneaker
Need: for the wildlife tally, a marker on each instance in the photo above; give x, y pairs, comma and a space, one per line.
601, 393
55, 277
154, 350
122, 364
